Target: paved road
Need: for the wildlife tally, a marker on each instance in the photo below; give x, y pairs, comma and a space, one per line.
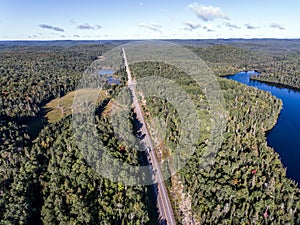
163, 200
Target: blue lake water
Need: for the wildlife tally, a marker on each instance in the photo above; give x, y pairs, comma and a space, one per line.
285, 136
105, 72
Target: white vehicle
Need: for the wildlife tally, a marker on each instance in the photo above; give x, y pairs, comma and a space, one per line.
148, 149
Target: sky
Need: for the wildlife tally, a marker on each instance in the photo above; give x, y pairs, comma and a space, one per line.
148, 19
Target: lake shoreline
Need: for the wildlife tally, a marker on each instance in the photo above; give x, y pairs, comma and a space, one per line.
275, 84
282, 137
271, 83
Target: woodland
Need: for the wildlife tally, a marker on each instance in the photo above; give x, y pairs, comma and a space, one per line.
46, 180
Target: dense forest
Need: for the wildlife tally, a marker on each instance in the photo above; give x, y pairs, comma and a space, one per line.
280, 67
46, 180
31, 76
246, 182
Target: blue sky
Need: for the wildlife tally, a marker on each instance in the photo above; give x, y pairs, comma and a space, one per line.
148, 19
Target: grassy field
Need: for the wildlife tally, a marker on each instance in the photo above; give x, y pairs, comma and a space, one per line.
60, 107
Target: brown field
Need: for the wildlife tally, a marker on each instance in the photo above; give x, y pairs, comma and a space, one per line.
61, 107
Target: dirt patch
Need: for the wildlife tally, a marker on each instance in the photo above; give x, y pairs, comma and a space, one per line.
182, 202
61, 107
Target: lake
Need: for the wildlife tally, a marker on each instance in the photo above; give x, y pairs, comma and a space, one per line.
284, 137
105, 72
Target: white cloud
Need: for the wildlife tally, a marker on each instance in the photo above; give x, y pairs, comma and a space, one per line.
277, 26
153, 26
251, 27
87, 26
231, 25
98, 26
207, 13
50, 27
208, 28
191, 26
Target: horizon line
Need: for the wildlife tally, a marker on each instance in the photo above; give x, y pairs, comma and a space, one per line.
149, 39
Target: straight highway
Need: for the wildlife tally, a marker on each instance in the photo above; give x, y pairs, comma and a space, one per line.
163, 200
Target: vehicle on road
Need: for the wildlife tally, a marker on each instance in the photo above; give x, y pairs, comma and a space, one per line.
148, 149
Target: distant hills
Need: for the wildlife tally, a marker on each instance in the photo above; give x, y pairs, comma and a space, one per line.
266, 44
